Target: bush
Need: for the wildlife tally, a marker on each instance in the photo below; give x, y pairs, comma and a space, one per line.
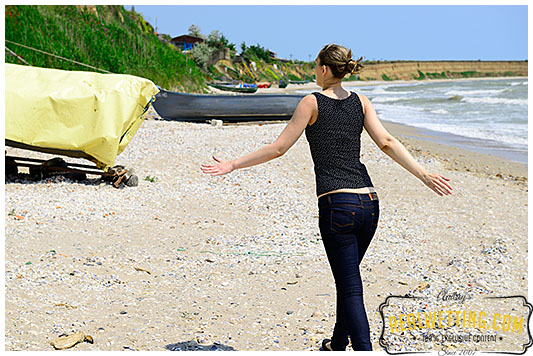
201, 53
255, 52
421, 75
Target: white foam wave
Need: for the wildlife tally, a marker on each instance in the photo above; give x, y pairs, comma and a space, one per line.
473, 132
474, 92
379, 89
386, 99
439, 111
495, 101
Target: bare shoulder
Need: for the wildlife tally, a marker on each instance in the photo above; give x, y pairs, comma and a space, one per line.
363, 98
309, 99
309, 102
364, 101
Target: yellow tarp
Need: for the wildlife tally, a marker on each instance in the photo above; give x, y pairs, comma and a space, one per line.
97, 114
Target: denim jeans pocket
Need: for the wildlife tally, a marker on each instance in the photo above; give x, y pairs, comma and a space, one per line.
375, 218
341, 221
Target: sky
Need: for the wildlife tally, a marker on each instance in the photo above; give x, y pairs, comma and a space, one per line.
381, 32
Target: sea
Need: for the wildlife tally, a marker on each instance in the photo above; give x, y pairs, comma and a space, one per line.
481, 115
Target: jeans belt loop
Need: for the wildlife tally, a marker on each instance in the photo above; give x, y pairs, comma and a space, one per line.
329, 199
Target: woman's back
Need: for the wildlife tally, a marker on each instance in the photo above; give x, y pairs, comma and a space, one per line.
335, 143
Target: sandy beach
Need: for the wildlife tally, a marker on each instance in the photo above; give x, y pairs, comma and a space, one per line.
186, 261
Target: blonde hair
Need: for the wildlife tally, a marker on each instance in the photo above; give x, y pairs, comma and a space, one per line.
339, 59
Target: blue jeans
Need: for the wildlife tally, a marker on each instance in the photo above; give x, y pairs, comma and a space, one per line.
347, 223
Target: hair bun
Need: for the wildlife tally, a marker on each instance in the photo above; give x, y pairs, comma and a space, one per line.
357, 66
350, 66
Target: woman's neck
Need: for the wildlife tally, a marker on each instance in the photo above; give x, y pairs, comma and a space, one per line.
335, 87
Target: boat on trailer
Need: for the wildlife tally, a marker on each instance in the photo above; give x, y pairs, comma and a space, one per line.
76, 114
230, 108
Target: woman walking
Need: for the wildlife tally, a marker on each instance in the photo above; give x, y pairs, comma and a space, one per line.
333, 120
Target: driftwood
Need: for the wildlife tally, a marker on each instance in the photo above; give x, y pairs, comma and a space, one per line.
65, 341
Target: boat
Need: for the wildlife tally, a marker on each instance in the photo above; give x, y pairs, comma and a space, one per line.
264, 85
230, 108
238, 88
74, 113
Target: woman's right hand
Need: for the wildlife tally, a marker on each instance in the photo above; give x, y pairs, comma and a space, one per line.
437, 183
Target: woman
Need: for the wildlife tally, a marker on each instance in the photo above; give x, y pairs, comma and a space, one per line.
333, 120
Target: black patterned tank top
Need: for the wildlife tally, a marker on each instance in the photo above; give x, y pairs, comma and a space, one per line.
335, 143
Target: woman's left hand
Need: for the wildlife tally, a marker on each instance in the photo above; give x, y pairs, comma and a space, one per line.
222, 167
437, 183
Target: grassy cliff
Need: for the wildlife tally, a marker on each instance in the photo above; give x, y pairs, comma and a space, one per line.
106, 37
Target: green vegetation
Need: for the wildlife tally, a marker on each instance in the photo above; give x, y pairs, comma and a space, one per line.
201, 54
420, 76
351, 78
107, 37
385, 77
255, 53
470, 74
293, 77
436, 75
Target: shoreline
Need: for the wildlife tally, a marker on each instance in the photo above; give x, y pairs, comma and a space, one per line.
420, 143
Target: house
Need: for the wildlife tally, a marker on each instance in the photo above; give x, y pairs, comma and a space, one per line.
272, 54
186, 42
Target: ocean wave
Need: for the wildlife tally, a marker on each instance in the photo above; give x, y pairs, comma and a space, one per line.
387, 99
474, 92
474, 132
414, 100
439, 111
496, 101
379, 89
453, 98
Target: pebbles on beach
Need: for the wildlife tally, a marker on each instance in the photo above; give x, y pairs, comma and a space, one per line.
188, 261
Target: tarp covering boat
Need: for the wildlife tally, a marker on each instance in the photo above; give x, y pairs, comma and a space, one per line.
74, 113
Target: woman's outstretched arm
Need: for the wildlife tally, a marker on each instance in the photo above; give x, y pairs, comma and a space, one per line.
286, 139
395, 150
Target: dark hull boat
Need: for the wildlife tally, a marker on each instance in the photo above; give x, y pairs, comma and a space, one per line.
231, 108
238, 88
